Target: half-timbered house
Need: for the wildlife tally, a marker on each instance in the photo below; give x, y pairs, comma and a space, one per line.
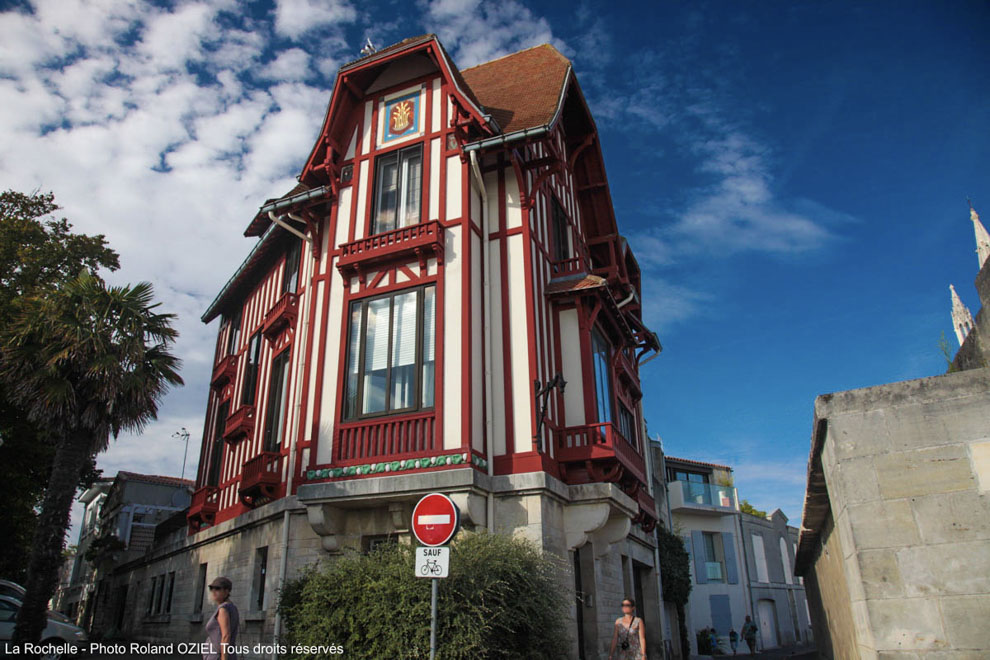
443, 303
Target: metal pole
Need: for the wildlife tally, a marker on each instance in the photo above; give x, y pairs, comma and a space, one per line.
433, 620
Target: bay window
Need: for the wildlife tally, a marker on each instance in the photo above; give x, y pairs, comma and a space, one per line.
391, 353
398, 189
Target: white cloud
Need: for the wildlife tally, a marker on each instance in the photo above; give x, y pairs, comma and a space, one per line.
292, 64
475, 31
294, 18
144, 124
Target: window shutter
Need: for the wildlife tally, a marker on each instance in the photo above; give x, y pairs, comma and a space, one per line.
729, 549
698, 550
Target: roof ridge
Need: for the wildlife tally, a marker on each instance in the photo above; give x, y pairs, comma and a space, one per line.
518, 52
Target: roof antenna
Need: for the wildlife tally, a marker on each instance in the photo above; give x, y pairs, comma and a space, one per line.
369, 47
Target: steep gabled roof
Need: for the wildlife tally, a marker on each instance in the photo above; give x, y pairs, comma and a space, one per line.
521, 90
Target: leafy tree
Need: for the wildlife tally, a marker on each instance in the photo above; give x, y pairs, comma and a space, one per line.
37, 253
675, 579
503, 599
85, 361
746, 507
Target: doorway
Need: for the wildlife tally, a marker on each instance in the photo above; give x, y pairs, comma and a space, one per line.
767, 615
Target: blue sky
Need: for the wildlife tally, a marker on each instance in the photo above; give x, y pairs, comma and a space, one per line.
793, 177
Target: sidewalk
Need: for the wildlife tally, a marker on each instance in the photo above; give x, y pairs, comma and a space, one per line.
803, 652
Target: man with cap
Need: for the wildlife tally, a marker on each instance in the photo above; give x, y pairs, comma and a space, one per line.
221, 629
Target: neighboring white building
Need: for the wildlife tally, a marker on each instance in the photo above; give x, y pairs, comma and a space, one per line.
704, 510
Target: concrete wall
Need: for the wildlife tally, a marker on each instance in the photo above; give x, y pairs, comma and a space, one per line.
829, 601
907, 468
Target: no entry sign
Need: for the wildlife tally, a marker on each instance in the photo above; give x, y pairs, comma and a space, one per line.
435, 519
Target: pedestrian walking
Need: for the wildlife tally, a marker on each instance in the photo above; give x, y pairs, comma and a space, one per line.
713, 639
749, 634
733, 640
628, 635
221, 629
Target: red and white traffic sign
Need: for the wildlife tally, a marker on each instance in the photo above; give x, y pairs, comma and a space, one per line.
435, 519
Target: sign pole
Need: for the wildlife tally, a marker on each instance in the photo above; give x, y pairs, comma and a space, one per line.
435, 521
433, 619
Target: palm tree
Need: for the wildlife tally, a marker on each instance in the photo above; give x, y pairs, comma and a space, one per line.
86, 361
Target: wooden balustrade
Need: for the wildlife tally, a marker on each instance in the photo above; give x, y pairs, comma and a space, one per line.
385, 438
391, 244
282, 315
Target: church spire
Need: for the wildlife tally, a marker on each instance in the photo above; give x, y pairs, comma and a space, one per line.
962, 319
982, 237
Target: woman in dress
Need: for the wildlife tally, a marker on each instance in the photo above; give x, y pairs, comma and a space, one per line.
629, 638
221, 629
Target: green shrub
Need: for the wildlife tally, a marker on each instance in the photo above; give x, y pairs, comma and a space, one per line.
503, 599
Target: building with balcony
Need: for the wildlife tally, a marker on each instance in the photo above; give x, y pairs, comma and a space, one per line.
704, 510
443, 303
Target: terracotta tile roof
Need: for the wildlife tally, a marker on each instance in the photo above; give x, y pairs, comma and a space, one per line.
521, 90
701, 463
155, 479
564, 285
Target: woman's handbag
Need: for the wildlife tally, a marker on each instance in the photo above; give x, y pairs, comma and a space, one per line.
624, 644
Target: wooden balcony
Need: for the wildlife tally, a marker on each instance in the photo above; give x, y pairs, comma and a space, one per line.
566, 267
415, 241
224, 372
260, 478
598, 452
240, 424
281, 316
386, 439
203, 508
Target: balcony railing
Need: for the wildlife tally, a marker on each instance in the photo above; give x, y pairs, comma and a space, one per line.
599, 442
420, 238
260, 477
281, 315
386, 438
706, 495
203, 507
240, 424
573, 266
224, 372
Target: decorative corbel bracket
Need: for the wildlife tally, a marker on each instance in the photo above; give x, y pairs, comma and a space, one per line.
327, 521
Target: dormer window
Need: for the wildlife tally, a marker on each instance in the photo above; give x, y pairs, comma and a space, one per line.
398, 189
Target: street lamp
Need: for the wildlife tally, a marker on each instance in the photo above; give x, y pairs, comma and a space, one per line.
183, 434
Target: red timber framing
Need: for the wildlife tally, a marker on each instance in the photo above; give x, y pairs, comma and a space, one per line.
347, 264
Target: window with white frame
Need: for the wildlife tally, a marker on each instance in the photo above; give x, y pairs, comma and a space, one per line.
391, 353
398, 189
